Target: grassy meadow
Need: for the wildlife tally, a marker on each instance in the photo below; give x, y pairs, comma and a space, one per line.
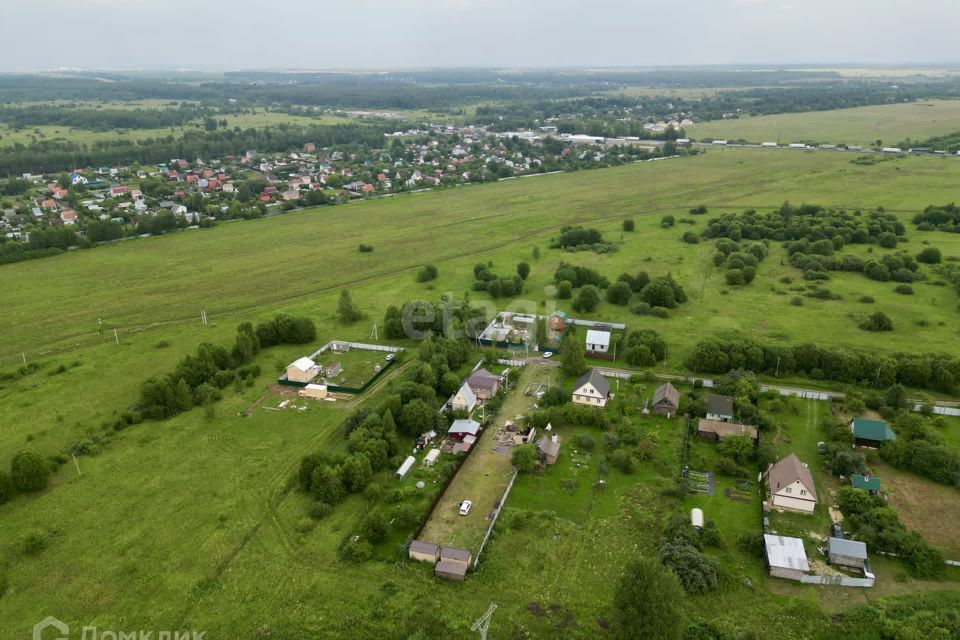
194, 522
857, 125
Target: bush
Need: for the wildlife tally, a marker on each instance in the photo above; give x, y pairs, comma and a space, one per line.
734, 277
867, 299
33, 543
564, 290
628, 225
365, 248
524, 458
427, 273
690, 237
727, 467
29, 472
623, 460
796, 301
667, 221
930, 255
619, 293
587, 299
320, 510
903, 289
586, 442
375, 527
878, 321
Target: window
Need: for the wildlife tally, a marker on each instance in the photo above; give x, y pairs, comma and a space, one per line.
788, 490
803, 492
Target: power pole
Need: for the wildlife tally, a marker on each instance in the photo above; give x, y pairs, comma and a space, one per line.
777, 374
115, 336
24, 356
483, 622
373, 334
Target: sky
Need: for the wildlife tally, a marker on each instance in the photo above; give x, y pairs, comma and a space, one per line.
378, 34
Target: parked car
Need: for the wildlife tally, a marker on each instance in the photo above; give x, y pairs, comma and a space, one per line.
391, 356
547, 354
465, 507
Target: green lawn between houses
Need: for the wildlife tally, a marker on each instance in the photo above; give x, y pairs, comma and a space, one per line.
192, 523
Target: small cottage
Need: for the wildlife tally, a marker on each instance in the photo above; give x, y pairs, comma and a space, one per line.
791, 485
719, 408
868, 432
303, 370
666, 400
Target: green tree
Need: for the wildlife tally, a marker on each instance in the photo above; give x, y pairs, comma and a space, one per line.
619, 293
356, 472
375, 527
564, 290
737, 447
930, 255
29, 471
346, 311
647, 603
587, 299
523, 270
524, 458
896, 397
628, 225
416, 417
571, 360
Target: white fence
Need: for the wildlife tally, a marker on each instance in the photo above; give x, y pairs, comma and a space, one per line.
799, 393
942, 411
355, 345
839, 581
597, 323
511, 363
616, 373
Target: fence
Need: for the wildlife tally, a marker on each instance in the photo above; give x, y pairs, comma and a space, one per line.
511, 363
496, 514
355, 345
837, 581
800, 393
941, 411
436, 499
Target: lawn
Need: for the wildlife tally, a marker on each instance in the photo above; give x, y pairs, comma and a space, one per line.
930, 508
358, 366
857, 125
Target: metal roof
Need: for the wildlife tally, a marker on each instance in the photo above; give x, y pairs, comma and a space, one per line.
870, 429
304, 363
786, 552
850, 548
601, 338
871, 483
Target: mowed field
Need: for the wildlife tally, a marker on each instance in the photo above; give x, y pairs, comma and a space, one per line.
194, 522
858, 125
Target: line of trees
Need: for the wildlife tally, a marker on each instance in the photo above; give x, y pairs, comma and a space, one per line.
937, 372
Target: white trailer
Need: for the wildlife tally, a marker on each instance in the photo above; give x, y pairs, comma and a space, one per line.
696, 518
405, 467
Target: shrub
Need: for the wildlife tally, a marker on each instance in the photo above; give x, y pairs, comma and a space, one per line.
587, 299
930, 255
667, 221
867, 299
564, 290
29, 471
33, 543
524, 458
734, 277
877, 321
619, 293
586, 442
427, 273
375, 527
690, 237
903, 289
365, 248
628, 225
727, 467
623, 460
320, 510
796, 301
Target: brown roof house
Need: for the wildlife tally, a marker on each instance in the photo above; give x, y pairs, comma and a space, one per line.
484, 384
548, 448
666, 400
453, 563
714, 431
791, 485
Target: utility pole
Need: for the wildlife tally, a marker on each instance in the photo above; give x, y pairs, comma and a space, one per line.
483, 622
777, 374
115, 336
373, 333
76, 463
24, 356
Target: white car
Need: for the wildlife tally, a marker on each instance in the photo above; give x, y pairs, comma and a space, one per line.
465, 507
391, 356
547, 354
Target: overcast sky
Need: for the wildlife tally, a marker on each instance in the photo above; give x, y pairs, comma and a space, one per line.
319, 34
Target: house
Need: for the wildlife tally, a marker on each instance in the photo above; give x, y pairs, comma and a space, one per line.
598, 341
868, 432
76, 178
791, 485
870, 484
405, 467
317, 391
68, 216
462, 429
484, 384
847, 553
666, 400
431, 457
303, 370
591, 388
118, 191
464, 399
423, 551
453, 563
548, 448
309, 147
719, 408
786, 557
714, 431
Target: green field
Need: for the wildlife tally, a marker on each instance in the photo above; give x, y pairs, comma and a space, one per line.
858, 125
194, 522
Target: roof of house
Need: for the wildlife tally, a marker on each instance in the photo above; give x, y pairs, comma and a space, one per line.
786, 552
851, 548
719, 405
548, 445
787, 471
724, 429
470, 427
667, 392
871, 429
871, 483
593, 377
429, 548
451, 567
482, 378
303, 364
601, 338
453, 553
468, 395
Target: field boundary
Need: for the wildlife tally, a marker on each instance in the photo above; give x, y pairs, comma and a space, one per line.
496, 514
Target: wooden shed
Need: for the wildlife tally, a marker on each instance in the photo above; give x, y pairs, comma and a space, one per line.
318, 391
424, 551
453, 563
